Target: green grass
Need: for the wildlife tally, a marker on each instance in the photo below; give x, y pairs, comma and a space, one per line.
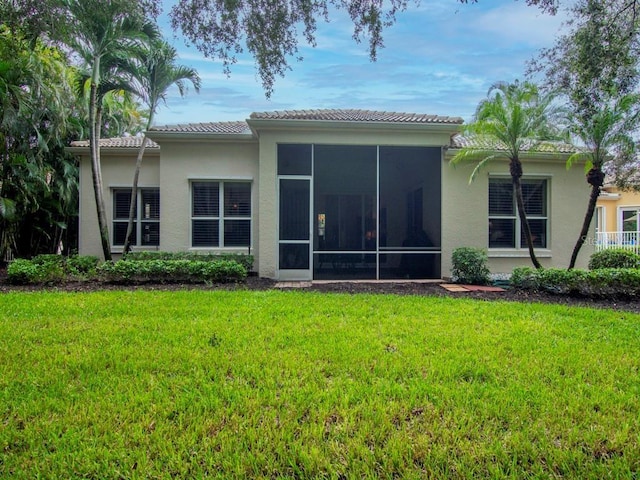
301, 385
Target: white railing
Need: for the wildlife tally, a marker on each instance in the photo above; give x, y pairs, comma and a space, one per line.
628, 240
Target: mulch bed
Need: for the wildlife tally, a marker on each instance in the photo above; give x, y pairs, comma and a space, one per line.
394, 288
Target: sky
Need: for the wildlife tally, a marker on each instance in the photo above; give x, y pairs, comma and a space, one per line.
439, 58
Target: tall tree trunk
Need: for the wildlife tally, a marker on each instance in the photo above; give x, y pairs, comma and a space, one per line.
516, 174
96, 171
134, 188
595, 178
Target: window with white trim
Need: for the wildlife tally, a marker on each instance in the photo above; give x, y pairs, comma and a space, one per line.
505, 229
220, 214
146, 224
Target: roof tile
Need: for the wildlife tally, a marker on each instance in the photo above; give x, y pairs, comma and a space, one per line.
461, 141
351, 115
118, 142
210, 127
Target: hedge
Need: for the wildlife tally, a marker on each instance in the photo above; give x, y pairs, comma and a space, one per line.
600, 283
243, 259
51, 269
614, 258
171, 271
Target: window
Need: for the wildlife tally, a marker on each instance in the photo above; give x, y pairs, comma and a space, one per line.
220, 214
146, 225
505, 230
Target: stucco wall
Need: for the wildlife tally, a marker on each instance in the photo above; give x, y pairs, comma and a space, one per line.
117, 171
182, 162
465, 213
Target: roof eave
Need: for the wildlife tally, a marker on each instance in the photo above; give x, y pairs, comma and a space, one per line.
148, 151
158, 136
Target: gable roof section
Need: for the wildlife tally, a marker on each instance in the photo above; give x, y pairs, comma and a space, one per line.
224, 128
351, 115
118, 142
460, 141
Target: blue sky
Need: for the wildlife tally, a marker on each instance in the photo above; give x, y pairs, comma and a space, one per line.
439, 58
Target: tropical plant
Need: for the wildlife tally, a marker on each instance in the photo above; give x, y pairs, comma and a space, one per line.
157, 72
106, 35
605, 133
37, 180
514, 118
596, 67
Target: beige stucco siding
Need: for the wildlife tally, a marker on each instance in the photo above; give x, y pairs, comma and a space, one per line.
269, 140
184, 162
117, 171
465, 213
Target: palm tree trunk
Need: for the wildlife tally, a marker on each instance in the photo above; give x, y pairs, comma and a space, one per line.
516, 173
595, 177
96, 171
134, 189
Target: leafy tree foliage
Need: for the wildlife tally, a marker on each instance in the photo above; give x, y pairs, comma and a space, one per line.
514, 118
271, 30
38, 181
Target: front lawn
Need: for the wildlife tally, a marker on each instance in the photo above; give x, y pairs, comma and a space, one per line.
143, 384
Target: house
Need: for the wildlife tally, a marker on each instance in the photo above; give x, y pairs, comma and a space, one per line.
332, 194
617, 218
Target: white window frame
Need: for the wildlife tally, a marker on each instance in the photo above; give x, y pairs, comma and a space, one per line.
221, 218
138, 220
601, 219
517, 224
627, 208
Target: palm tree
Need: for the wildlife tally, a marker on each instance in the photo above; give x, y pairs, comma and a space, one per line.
157, 73
514, 118
105, 35
604, 133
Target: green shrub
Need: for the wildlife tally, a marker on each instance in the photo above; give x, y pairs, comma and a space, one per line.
42, 269
50, 269
614, 258
470, 266
172, 271
22, 272
600, 283
243, 259
82, 265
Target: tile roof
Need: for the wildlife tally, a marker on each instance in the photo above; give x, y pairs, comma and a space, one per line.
211, 127
461, 141
350, 115
118, 142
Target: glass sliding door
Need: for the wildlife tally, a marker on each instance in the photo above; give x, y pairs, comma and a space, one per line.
345, 212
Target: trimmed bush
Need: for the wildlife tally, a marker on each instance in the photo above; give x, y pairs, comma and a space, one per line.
22, 272
50, 269
243, 259
172, 271
614, 258
600, 283
470, 266
42, 269
84, 265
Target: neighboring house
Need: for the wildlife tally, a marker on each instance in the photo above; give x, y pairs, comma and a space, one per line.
332, 194
617, 218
